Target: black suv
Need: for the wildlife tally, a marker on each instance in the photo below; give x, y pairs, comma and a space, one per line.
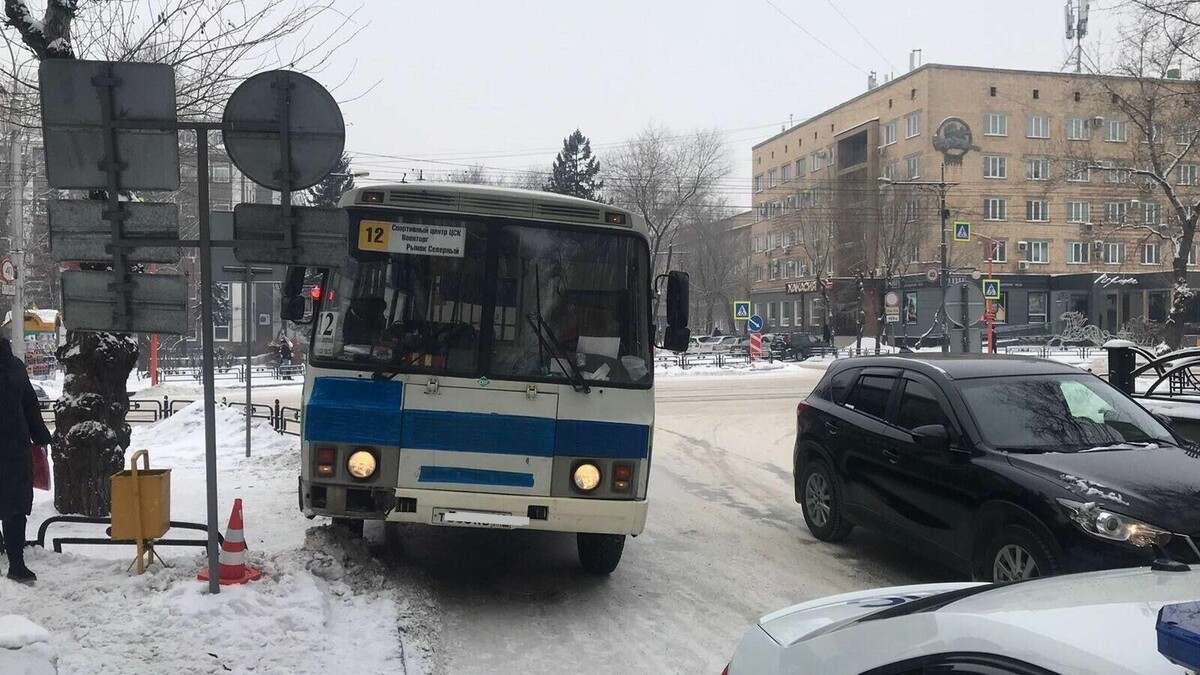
1003, 467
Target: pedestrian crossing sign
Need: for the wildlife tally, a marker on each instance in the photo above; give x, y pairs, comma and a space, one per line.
741, 310
991, 289
962, 232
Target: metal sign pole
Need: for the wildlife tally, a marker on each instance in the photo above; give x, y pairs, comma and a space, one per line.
249, 346
206, 323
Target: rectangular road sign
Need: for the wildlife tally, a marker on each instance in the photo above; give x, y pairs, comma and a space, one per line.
78, 231
73, 123
991, 289
157, 302
321, 237
741, 310
7, 288
962, 231
226, 268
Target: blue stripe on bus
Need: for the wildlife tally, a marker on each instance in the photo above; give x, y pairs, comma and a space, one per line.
353, 410
478, 432
464, 476
607, 440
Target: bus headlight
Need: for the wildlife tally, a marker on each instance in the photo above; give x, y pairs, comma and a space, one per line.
361, 464
586, 477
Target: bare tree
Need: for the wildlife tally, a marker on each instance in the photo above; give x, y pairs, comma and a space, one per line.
212, 45
660, 176
714, 248
1162, 110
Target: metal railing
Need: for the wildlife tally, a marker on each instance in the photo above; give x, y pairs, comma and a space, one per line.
192, 372
282, 418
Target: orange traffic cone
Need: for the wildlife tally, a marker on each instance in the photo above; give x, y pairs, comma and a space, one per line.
231, 566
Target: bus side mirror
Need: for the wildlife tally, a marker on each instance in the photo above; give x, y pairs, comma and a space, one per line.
676, 335
293, 308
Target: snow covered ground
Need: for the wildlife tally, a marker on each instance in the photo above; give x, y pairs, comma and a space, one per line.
324, 603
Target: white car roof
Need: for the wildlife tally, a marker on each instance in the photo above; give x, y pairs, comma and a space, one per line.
1102, 622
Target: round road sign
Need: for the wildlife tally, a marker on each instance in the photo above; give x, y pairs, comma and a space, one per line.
932, 274
892, 299
316, 130
755, 324
8, 271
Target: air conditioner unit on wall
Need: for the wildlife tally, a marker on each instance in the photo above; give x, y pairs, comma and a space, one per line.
1098, 245
1023, 265
1087, 227
1022, 245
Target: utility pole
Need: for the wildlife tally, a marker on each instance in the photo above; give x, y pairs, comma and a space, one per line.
16, 200
941, 187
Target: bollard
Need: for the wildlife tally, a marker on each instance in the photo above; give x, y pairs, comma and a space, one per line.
1121, 362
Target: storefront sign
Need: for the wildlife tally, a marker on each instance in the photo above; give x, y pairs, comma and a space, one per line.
1107, 280
810, 286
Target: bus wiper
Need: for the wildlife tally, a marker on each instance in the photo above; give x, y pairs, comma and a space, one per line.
578, 382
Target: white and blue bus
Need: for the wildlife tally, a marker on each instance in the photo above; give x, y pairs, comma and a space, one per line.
484, 358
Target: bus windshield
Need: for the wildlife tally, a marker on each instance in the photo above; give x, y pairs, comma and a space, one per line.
490, 297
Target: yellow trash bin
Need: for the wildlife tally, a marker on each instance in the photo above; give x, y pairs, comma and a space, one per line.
141, 501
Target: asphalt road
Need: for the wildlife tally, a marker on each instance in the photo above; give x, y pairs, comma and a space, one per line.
725, 543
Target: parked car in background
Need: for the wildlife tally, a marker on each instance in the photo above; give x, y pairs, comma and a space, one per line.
41, 393
803, 345
1004, 467
719, 345
1042, 627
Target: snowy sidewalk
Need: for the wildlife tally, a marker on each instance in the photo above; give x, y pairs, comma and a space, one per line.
325, 604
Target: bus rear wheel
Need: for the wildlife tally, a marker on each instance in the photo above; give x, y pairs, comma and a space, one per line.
600, 553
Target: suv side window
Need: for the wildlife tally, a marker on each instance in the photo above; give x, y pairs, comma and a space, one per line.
919, 407
872, 394
837, 387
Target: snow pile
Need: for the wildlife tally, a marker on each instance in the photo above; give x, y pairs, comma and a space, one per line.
25, 648
325, 604
777, 367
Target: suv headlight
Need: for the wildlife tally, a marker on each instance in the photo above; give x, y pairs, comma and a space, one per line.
1104, 524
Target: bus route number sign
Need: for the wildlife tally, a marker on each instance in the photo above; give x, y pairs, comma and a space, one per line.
413, 239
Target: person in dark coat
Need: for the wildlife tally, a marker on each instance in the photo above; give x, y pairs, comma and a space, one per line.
285, 357
21, 426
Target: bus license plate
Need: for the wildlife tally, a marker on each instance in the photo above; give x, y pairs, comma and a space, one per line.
478, 519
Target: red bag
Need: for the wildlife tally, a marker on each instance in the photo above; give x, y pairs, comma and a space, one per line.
41, 467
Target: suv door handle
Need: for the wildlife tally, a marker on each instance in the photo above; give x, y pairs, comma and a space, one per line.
832, 428
891, 455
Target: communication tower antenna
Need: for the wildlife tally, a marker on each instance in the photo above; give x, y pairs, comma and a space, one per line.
1077, 21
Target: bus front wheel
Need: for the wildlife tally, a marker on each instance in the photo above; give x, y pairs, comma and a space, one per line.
600, 553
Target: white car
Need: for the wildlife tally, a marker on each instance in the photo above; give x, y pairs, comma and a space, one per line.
1100, 622
719, 345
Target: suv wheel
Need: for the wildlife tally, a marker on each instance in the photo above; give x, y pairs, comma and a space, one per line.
821, 500
1015, 553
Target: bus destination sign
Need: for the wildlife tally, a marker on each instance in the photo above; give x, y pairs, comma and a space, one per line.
435, 240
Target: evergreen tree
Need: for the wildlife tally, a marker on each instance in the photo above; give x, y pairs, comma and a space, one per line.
330, 189
575, 169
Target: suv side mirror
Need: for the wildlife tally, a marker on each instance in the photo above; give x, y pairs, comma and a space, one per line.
932, 437
1163, 419
676, 335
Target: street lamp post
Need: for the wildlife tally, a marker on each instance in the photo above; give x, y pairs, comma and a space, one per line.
941, 187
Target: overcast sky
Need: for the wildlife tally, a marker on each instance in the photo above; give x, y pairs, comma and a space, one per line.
501, 83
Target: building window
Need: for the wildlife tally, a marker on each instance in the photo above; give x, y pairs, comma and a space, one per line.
1151, 213
1037, 210
912, 166
815, 313
785, 313
1078, 212
889, 133
799, 308
1156, 133
995, 166
1151, 253
1187, 174
1192, 256
763, 211
221, 328
818, 161
1000, 251
889, 171
1078, 171
789, 269
1037, 307
221, 204
1157, 306
1078, 253
758, 273
785, 173
1114, 253
1115, 212
1039, 252
187, 171
800, 167
1038, 127
758, 183
758, 243
770, 241
912, 209
995, 209
1116, 131
799, 235
776, 208
1078, 129
914, 253
772, 175
220, 173
787, 238
995, 124
771, 313
1186, 135
773, 270
912, 125
1038, 168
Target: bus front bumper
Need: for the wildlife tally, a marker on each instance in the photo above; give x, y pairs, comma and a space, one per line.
531, 512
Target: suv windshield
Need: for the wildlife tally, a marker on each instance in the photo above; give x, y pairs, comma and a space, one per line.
1057, 413
491, 297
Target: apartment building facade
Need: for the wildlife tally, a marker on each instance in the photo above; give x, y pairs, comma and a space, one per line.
1040, 167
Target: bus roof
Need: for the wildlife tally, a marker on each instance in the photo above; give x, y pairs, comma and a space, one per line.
498, 201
